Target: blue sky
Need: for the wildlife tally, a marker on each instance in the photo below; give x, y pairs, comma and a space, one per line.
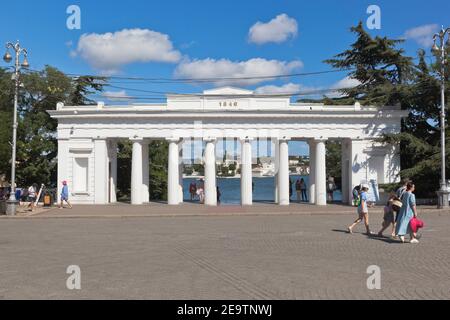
202, 38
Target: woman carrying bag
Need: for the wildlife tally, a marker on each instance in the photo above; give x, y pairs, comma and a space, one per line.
406, 214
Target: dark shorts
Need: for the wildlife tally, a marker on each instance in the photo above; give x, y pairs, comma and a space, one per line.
65, 198
31, 199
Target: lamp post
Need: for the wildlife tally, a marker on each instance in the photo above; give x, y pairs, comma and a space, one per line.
439, 49
12, 201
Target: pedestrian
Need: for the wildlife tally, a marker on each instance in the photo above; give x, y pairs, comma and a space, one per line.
363, 211
290, 189
298, 189
18, 194
407, 212
390, 211
330, 188
304, 188
200, 191
32, 191
218, 194
65, 195
192, 190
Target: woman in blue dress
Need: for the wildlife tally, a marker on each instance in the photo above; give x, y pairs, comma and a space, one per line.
407, 212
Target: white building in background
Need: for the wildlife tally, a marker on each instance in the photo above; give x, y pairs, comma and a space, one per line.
87, 142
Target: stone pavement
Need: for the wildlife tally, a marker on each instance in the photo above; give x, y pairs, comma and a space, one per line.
217, 256
160, 209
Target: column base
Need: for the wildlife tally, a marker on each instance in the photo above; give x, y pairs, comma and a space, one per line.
11, 207
443, 198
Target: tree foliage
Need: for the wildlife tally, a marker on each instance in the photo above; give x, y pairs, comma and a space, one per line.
158, 160
382, 70
36, 133
333, 159
388, 77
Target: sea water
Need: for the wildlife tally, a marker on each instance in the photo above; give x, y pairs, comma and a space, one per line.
263, 189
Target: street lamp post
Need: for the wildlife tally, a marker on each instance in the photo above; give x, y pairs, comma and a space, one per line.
440, 50
12, 201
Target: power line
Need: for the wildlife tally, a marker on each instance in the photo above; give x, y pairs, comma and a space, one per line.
213, 79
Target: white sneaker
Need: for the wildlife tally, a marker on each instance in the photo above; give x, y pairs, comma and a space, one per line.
414, 241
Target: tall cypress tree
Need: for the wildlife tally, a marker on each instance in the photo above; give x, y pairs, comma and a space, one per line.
382, 69
388, 77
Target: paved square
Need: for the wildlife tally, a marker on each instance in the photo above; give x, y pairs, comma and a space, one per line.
268, 256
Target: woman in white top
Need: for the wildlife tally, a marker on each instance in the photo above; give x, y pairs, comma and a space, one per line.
32, 196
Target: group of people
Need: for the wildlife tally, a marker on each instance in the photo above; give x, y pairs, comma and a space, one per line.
301, 189
197, 191
29, 195
23, 195
400, 212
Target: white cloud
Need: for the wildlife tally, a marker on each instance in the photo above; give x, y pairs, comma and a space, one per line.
423, 35
108, 52
309, 91
116, 95
224, 68
345, 83
287, 88
277, 30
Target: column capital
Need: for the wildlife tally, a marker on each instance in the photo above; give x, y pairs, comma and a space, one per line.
209, 139
137, 139
173, 139
246, 139
284, 138
98, 138
321, 139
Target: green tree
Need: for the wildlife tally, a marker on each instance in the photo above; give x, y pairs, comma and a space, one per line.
36, 133
420, 137
382, 70
333, 159
124, 150
6, 117
388, 77
159, 159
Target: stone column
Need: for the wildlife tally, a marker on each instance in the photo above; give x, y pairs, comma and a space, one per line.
113, 174
312, 171
173, 196
277, 168
136, 171
344, 171
246, 172
357, 164
180, 171
101, 174
283, 173
145, 173
320, 174
210, 173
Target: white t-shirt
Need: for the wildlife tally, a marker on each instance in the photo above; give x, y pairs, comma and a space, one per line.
32, 192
